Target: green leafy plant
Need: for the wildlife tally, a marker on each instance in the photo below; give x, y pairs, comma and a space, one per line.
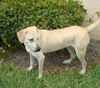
46, 14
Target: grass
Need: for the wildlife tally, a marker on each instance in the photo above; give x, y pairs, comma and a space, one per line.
15, 77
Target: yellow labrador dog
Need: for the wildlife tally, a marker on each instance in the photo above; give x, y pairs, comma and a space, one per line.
37, 42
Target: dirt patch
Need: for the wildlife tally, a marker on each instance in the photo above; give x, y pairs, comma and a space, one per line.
21, 58
93, 51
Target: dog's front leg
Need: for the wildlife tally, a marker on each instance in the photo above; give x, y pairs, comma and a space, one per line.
32, 64
40, 64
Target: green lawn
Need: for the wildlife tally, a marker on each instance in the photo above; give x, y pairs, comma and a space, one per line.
16, 77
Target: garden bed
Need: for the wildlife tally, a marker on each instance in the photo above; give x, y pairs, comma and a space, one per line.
21, 58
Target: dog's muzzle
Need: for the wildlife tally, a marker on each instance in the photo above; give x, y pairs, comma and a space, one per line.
38, 49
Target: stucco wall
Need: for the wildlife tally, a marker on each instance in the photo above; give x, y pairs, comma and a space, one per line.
92, 6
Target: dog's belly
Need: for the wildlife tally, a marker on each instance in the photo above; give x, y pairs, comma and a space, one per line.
55, 47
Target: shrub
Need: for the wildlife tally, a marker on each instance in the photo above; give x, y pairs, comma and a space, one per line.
47, 14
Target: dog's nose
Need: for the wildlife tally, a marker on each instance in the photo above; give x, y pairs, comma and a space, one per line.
38, 49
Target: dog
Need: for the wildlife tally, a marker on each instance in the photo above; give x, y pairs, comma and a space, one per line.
74, 38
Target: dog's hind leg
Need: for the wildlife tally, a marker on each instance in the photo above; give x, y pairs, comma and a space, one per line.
72, 55
81, 56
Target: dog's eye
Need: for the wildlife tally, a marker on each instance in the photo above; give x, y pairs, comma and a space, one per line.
31, 40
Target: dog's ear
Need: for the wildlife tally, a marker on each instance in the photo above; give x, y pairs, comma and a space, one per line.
21, 35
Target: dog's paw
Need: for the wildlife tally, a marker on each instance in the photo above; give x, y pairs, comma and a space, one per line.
67, 61
30, 68
82, 72
39, 77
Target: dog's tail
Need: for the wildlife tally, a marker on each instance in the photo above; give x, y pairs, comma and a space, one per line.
92, 26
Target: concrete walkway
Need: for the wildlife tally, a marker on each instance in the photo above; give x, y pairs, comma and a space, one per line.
92, 6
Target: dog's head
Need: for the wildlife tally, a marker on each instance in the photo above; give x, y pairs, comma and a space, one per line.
30, 37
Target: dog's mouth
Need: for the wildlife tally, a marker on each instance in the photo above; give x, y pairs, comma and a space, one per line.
37, 49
